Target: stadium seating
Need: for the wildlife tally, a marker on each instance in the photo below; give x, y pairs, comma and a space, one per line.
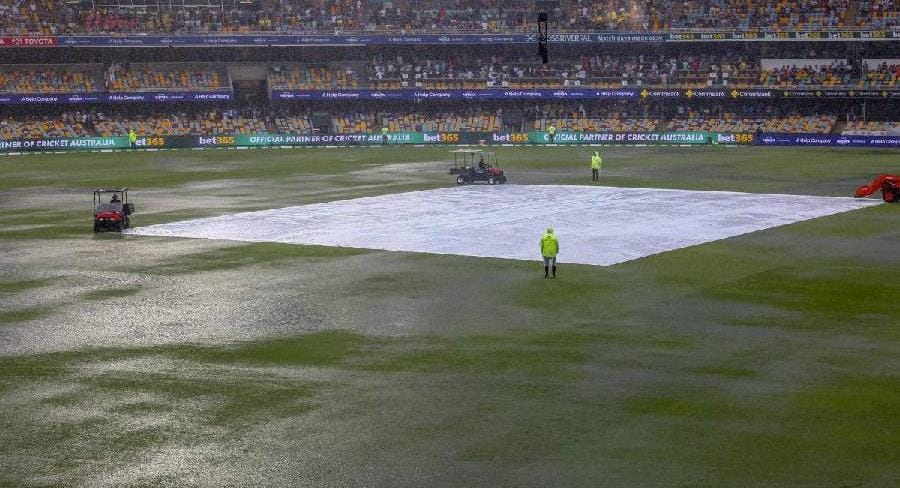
883, 75
171, 77
48, 17
442, 122
564, 117
612, 116
879, 14
293, 124
48, 79
37, 127
730, 122
308, 77
599, 71
875, 128
598, 124
355, 122
211, 123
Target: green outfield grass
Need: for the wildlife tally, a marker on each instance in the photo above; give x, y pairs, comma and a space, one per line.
770, 359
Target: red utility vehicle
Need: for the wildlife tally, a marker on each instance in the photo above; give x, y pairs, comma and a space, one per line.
486, 169
112, 214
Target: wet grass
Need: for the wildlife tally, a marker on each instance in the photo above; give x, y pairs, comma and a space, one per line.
15, 316
824, 295
538, 355
111, 293
765, 360
13, 287
878, 222
244, 254
533, 377
61, 231
318, 349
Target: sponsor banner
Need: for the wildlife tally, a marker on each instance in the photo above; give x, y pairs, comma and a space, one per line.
28, 41
317, 139
840, 93
139, 40
24, 99
486, 138
63, 144
423, 94
569, 94
612, 138
836, 140
163, 142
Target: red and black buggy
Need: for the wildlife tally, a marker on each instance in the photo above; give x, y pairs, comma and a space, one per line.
112, 214
475, 165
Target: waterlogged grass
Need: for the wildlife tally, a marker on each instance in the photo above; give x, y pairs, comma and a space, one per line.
724, 370
240, 255
61, 231
836, 295
538, 395
878, 222
13, 287
14, 316
795, 170
318, 349
111, 293
225, 401
702, 404
483, 355
763, 360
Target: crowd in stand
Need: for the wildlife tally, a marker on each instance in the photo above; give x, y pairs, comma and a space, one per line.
53, 17
615, 117
597, 71
879, 14
836, 72
831, 74
778, 14
882, 75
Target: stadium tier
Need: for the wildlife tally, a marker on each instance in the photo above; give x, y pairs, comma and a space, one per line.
870, 127
177, 77
783, 83
564, 117
53, 17
310, 77
598, 71
49, 79
728, 122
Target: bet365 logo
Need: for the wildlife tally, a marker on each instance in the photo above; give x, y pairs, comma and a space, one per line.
155, 141
217, 141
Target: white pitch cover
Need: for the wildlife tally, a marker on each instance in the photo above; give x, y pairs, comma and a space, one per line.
595, 225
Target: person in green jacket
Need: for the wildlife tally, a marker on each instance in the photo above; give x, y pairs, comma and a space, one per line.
596, 161
549, 250
551, 131
384, 135
132, 137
